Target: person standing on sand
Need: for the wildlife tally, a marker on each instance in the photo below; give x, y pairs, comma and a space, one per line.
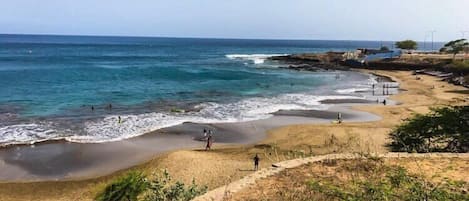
209, 142
339, 117
256, 162
384, 102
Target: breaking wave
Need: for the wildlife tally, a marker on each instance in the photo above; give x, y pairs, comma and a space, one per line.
109, 129
254, 58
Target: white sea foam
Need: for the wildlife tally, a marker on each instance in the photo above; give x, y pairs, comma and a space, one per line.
26, 133
109, 129
352, 90
255, 58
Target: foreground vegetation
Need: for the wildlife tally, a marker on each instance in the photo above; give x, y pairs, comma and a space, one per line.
442, 130
367, 178
136, 186
387, 183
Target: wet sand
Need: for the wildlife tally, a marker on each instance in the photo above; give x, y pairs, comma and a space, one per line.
61, 160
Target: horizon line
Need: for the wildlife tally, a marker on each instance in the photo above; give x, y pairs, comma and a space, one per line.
195, 37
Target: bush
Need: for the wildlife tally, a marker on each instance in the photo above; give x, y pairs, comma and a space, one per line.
459, 67
135, 186
126, 188
161, 189
442, 130
397, 184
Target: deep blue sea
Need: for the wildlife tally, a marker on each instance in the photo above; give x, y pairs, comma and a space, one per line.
48, 84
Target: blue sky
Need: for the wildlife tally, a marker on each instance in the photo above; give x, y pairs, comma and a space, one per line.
279, 19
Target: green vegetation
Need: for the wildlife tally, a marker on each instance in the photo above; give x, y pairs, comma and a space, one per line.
442, 130
366, 178
389, 183
126, 188
135, 186
456, 46
162, 189
461, 64
407, 45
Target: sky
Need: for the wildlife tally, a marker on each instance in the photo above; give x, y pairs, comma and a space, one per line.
258, 19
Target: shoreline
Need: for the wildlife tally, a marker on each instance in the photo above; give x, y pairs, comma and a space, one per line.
68, 161
226, 163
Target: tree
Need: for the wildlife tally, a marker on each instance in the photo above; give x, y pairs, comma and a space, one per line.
456, 46
407, 45
444, 129
443, 50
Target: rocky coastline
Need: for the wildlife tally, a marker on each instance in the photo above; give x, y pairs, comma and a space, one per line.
442, 68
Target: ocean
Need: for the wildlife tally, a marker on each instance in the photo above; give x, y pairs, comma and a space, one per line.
49, 84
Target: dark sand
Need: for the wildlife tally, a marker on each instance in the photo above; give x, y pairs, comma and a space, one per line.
61, 160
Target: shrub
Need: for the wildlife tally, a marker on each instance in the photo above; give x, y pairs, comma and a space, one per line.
162, 189
126, 188
397, 184
134, 186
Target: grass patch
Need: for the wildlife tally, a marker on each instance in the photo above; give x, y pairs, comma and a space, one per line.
366, 178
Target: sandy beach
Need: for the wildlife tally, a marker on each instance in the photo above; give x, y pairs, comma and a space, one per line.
62, 160
83, 169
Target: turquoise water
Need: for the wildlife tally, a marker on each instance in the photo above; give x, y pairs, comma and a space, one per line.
49, 84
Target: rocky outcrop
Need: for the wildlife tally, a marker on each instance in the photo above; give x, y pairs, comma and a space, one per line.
335, 61
312, 61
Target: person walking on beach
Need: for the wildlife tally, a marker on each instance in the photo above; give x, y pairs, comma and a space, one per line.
256, 162
384, 102
209, 142
339, 117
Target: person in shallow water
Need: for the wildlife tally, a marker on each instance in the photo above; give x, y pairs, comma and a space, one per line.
256, 162
119, 119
